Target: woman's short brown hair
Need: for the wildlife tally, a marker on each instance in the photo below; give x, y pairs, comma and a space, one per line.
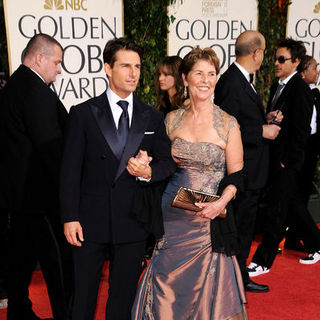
197, 54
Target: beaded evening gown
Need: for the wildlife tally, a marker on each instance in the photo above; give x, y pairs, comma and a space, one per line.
185, 279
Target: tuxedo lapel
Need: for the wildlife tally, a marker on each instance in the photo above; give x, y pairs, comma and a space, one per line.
285, 91
140, 119
101, 110
248, 89
253, 95
273, 90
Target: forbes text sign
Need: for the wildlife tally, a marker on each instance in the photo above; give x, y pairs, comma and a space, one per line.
81, 26
210, 23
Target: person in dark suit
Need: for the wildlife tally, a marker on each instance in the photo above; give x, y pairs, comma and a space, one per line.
100, 176
236, 95
32, 121
308, 69
287, 153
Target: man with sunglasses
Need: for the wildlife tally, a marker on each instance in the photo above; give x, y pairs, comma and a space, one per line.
294, 98
236, 95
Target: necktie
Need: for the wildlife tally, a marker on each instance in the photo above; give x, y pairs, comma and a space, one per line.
123, 126
277, 95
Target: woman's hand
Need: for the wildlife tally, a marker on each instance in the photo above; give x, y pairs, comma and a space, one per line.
211, 209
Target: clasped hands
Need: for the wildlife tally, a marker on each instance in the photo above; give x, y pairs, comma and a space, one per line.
138, 166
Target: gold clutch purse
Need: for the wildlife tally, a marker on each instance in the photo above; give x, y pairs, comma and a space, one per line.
186, 198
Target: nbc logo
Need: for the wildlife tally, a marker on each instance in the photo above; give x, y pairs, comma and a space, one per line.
75, 5
317, 8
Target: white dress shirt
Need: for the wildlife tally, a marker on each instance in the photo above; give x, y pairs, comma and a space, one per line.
116, 109
245, 73
313, 123
285, 81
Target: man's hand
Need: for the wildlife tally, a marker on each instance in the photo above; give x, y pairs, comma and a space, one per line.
270, 131
275, 115
139, 166
73, 233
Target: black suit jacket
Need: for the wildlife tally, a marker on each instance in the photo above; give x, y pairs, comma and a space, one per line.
234, 94
32, 120
96, 188
296, 104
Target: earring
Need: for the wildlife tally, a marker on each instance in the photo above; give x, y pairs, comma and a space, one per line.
185, 92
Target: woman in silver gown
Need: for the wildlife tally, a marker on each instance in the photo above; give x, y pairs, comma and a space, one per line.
186, 277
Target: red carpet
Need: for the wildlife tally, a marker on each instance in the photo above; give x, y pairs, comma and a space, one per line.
294, 292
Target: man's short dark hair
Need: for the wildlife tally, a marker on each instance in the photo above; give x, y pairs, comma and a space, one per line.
114, 45
248, 47
295, 47
41, 42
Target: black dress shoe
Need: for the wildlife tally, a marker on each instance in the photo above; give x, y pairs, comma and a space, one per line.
255, 287
35, 317
296, 246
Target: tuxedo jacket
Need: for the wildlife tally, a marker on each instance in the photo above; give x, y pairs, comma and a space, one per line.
32, 120
234, 94
96, 189
296, 104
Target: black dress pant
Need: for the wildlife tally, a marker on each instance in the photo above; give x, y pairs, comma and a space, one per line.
39, 238
246, 207
4, 264
124, 272
285, 202
295, 232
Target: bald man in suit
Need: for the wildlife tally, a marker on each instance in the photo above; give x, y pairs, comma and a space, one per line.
236, 95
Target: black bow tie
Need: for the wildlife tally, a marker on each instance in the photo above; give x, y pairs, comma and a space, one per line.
251, 75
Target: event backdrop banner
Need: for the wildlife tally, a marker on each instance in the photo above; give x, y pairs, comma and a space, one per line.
210, 23
81, 26
304, 24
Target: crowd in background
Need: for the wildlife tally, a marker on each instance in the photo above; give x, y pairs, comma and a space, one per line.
114, 155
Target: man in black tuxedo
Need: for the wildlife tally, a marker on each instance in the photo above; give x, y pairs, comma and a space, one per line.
99, 178
236, 95
308, 69
292, 95
32, 120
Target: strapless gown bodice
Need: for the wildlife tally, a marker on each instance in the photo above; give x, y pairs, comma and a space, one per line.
201, 165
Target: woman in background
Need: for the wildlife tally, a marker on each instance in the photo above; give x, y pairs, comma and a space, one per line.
169, 85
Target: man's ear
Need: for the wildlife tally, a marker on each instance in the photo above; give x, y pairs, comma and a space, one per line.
297, 62
254, 55
107, 69
38, 59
